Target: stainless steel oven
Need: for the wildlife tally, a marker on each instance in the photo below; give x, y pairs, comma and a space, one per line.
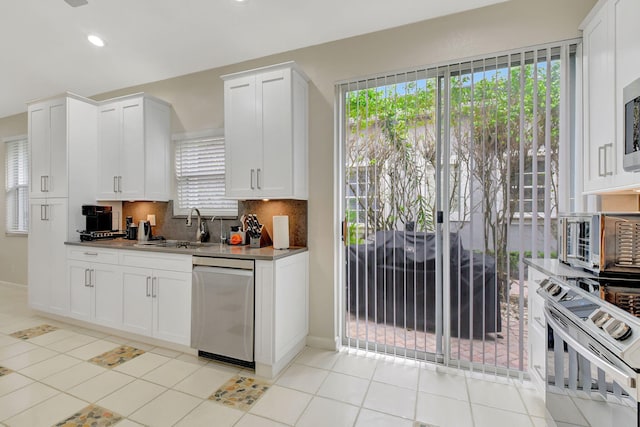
593, 356
587, 385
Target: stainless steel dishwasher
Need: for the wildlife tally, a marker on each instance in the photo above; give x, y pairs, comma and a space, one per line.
222, 316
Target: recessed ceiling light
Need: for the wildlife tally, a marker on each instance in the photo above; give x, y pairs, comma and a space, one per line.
95, 40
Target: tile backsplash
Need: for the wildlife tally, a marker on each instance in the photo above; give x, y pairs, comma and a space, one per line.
175, 228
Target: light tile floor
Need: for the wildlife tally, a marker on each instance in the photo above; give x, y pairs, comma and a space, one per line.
52, 380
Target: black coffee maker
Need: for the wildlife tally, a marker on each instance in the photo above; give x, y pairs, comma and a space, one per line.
132, 229
98, 218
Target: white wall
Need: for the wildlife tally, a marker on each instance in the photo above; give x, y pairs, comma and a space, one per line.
197, 101
13, 249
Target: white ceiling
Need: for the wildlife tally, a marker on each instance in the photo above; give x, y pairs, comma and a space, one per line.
44, 49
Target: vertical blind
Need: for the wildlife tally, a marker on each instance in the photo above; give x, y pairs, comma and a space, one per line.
200, 176
17, 185
477, 143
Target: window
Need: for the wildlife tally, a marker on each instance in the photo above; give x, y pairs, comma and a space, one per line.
199, 168
17, 185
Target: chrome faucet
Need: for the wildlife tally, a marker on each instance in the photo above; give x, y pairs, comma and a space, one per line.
202, 231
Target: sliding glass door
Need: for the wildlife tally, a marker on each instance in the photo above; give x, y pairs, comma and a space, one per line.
473, 149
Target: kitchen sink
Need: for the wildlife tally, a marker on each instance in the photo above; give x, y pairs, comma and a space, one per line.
174, 244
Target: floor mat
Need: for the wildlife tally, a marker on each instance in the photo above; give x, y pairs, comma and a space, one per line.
116, 357
92, 415
240, 392
36, 331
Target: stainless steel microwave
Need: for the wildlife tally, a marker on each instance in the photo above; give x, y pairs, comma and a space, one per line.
631, 100
603, 243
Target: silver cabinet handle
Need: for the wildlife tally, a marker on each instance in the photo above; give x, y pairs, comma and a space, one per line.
47, 187
119, 184
91, 253
154, 287
601, 149
148, 292
44, 212
258, 179
43, 186
253, 171
115, 184
87, 277
609, 145
539, 320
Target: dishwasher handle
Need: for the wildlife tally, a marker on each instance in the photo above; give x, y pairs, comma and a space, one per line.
230, 263
198, 269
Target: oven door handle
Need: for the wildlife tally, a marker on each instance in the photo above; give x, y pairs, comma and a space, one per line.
616, 373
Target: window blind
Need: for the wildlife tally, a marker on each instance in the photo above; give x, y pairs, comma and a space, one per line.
17, 185
200, 179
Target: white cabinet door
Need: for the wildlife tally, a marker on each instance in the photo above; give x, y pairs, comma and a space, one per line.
108, 151
243, 150
274, 175
132, 161
48, 286
281, 311
157, 178
172, 306
265, 114
79, 276
107, 295
47, 148
627, 69
133, 149
39, 243
600, 148
137, 303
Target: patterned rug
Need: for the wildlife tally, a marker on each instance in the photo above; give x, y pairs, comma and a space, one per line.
4, 371
117, 356
92, 415
240, 392
36, 331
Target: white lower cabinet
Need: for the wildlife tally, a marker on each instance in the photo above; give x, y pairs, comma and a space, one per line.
281, 312
537, 346
48, 289
120, 290
157, 303
95, 292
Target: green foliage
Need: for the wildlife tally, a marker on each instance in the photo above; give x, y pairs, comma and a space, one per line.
494, 118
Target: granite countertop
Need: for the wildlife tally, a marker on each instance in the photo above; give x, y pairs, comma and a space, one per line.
553, 267
215, 250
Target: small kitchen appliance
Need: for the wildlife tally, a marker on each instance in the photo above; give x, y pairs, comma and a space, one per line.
602, 243
98, 223
98, 218
144, 231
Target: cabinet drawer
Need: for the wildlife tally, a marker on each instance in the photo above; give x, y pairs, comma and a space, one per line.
537, 354
105, 256
171, 262
536, 310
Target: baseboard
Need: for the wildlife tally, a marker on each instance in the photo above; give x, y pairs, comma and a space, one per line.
20, 285
130, 336
323, 343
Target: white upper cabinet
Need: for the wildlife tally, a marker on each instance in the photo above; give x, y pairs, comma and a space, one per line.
599, 102
266, 133
611, 60
48, 148
133, 149
62, 137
